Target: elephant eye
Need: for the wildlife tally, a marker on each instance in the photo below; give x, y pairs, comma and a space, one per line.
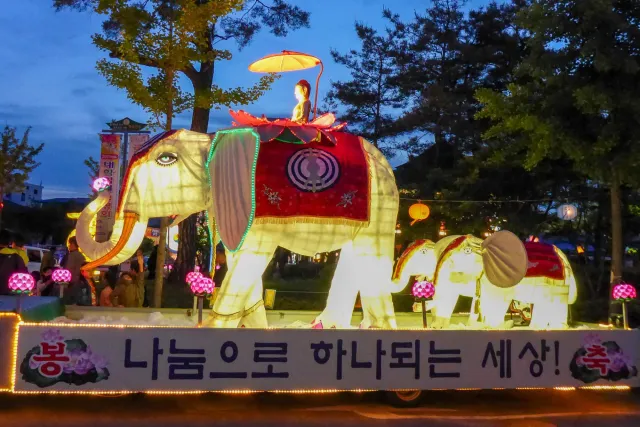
467, 250
166, 159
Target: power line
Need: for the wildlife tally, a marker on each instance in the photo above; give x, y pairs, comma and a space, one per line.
480, 201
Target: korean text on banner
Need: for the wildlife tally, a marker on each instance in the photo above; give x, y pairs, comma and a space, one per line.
110, 168
89, 358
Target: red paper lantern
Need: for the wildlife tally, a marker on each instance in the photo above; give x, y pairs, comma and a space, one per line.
624, 291
202, 286
423, 289
21, 283
61, 276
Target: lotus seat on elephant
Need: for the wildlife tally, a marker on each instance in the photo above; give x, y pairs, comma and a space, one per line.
306, 187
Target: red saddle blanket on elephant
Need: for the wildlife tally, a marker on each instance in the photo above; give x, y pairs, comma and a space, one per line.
543, 261
303, 182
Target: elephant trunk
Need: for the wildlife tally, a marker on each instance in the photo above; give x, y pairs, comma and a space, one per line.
128, 232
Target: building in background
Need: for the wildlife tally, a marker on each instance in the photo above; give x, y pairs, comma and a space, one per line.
31, 195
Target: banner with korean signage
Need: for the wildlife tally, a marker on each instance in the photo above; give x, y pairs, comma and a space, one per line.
135, 142
89, 358
110, 168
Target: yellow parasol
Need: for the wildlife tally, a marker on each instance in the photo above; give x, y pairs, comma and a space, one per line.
288, 60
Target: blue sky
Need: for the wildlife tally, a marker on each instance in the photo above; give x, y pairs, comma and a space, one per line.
48, 79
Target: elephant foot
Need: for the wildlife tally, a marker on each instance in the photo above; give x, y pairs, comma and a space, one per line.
327, 321
440, 323
255, 317
217, 320
386, 322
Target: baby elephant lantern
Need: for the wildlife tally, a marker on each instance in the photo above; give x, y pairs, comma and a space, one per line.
419, 212
494, 272
266, 184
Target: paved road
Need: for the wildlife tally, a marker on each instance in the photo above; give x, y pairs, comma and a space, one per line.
440, 409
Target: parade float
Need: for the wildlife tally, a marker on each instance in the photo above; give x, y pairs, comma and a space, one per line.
310, 186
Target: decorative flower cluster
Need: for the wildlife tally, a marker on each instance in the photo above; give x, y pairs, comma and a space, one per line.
21, 283
624, 291
101, 184
61, 275
423, 289
202, 286
192, 276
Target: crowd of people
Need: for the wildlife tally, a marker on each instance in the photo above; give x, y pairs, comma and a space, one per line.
125, 289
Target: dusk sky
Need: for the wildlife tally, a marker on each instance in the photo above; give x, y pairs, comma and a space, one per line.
48, 79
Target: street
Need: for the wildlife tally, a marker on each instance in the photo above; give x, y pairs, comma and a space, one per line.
455, 408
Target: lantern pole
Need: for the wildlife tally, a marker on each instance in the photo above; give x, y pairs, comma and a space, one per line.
625, 318
315, 101
424, 313
19, 304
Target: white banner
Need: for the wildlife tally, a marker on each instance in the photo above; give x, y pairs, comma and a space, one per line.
135, 142
110, 168
142, 359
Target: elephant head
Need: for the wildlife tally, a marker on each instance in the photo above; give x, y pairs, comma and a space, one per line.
501, 258
167, 176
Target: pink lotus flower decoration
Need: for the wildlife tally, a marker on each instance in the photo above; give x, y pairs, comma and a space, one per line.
21, 283
192, 276
61, 276
202, 286
624, 291
423, 289
101, 184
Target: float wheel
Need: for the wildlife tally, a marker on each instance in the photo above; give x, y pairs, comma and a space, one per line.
404, 398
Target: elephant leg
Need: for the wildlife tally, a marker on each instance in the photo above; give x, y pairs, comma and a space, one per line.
444, 303
255, 315
549, 315
374, 268
493, 310
342, 293
241, 290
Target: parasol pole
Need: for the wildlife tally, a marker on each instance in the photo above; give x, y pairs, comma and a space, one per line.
315, 101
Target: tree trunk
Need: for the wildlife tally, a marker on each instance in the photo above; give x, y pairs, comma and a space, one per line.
185, 260
162, 250
164, 222
616, 231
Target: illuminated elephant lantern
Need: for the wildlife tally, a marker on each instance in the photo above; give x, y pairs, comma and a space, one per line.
455, 264
308, 188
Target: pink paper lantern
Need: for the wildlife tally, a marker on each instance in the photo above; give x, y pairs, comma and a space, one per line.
192, 276
202, 286
21, 283
624, 291
61, 276
101, 183
423, 289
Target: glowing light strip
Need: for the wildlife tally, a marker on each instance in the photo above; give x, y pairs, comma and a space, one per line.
253, 178
14, 355
304, 391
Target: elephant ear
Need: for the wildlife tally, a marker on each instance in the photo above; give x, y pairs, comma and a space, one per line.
232, 163
504, 258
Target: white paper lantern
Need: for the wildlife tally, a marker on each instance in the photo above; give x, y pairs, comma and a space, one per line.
567, 212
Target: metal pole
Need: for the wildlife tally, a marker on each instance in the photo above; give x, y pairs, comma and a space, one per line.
424, 314
625, 319
315, 101
19, 304
200, 306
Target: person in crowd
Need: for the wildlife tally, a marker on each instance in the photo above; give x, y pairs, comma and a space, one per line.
137, 267
45, 287
17, 245
10, 262
73, 261
48, 260
83, 292
125, 294
105, 295
151, 264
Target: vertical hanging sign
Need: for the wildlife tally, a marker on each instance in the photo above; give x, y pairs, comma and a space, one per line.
135, 142
110, 168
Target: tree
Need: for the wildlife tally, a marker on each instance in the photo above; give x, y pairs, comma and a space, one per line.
94, 171
370, 96
17, 161
576, 96
136, 32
